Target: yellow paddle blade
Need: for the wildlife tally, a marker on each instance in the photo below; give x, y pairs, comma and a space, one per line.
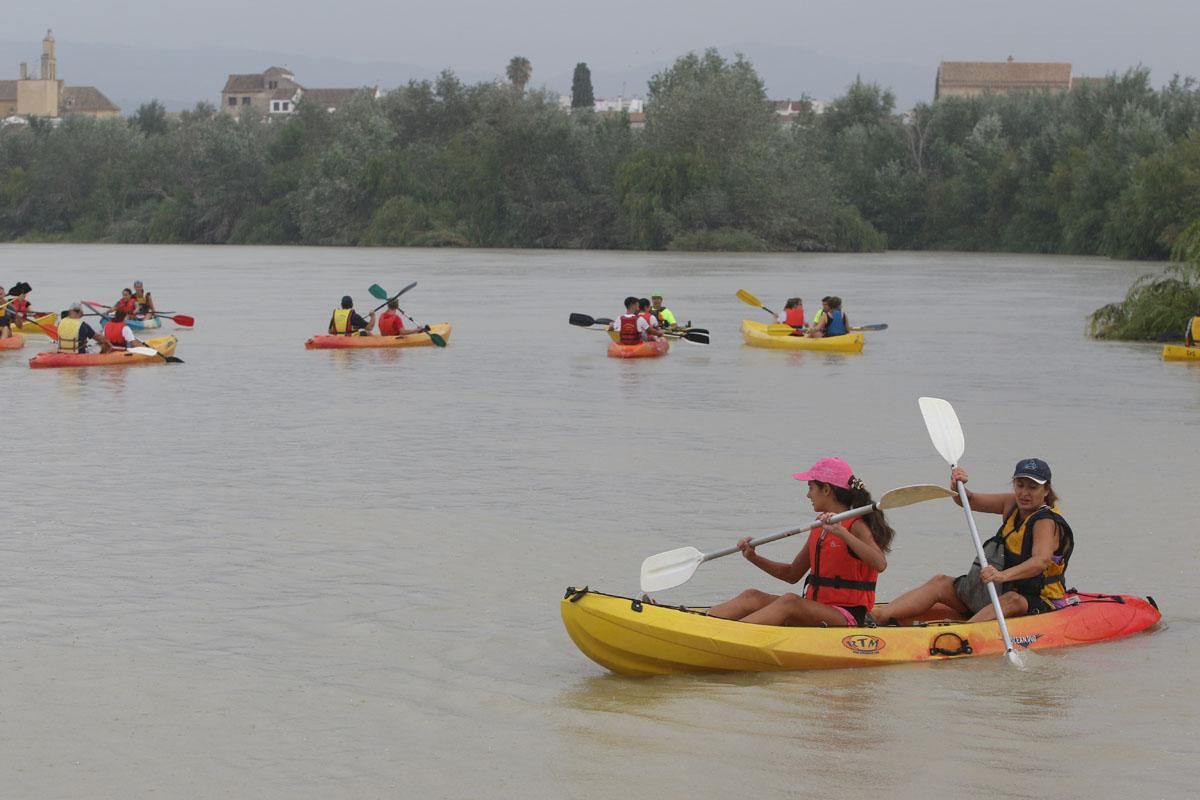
748, 298
910, 495
779, 329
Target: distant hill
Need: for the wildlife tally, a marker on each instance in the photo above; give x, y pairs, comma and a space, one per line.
130, 76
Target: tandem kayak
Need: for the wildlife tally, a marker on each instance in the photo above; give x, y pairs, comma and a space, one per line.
31, 325
651, 349
757, 334
640, 639
330, 342
14, 342
1179, 352
165, 345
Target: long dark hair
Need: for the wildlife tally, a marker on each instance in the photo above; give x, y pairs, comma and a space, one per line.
857, 496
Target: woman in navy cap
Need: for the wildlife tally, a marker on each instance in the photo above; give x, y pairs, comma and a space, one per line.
1027, 558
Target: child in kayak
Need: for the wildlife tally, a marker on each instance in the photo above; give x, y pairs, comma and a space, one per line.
833, 322
645, 312
1027, 558
841, 560
792, 314
119, 335
126, 303
631, 326
392, 324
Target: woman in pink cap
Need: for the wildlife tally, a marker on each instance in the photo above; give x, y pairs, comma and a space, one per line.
842, 559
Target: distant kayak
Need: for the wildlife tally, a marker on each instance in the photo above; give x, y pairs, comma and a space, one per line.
651, 349
14, 342
759, 334
331, 342
640, 639
1179, 352
31, 326
165, 345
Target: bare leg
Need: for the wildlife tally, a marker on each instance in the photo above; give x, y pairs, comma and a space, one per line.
792, 609
1011, 603
745, 603
913, 603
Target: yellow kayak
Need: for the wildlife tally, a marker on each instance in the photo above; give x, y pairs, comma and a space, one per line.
636, 638
1179, 352
30, 326
759, 334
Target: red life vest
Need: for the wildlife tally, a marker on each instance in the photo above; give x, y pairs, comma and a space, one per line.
795, 317
20, 305
128, 305
629, 329
390, 324
115, 333
838, 577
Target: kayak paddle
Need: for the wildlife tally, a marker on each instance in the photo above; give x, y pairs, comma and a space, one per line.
150, 351
584, 321
379, 293
947, 436
696, 337
751, 300
676, 567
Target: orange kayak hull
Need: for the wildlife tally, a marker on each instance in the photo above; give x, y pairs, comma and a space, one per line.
165, 345
651, 349
327, 342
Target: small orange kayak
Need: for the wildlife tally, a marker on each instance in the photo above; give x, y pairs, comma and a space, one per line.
165, 345
651, 349
329, 342
14, 342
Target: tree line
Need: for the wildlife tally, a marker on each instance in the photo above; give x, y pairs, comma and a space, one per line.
1111, 169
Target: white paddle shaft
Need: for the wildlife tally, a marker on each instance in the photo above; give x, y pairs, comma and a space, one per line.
774, 537
991, 587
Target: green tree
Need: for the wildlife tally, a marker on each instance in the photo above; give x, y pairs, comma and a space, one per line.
519, 71
581, 87
150, 118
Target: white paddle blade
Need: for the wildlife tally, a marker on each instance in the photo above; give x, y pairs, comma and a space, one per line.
943, 427
911, 495
142, 351
670, 569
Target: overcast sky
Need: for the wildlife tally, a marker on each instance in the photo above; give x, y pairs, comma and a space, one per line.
1097, 36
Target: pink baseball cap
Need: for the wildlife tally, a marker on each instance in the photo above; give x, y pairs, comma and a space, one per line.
833, 471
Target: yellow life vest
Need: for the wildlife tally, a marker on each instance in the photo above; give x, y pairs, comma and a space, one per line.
1018, 548
1194, 339
68, 335
341, 320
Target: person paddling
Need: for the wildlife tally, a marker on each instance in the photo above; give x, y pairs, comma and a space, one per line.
347, 322
1027, 558
793, 314
644, 311
392, 324
842, 560
74, 334
5, 315
19, 306
145, 303
631, 326
663, 314
833, 322
1191, 334
118, 334
126, 303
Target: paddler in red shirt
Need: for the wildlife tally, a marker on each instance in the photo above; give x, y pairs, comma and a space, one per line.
392, 324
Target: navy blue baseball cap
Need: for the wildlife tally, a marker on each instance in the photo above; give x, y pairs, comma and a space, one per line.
1035, 469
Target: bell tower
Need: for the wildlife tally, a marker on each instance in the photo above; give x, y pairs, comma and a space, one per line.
49, 66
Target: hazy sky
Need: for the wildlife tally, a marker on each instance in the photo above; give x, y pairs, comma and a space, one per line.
1097, 36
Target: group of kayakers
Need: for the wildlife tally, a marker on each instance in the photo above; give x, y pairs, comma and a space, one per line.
830, 320
72, 331
645, 319
348, 322
1027, 558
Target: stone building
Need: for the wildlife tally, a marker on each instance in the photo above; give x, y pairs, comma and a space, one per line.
275, 92
44, 95
971, 78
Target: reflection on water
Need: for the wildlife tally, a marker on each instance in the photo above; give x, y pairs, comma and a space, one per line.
324, 573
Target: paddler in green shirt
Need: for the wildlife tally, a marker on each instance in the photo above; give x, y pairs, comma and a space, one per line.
664, 315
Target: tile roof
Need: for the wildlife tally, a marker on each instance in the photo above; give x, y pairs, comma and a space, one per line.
80, 99
1004, 74
8, 90
331, 98
244, 83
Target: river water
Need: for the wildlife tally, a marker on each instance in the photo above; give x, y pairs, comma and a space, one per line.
276, 573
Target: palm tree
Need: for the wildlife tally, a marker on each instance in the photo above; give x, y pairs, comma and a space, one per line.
519, 71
